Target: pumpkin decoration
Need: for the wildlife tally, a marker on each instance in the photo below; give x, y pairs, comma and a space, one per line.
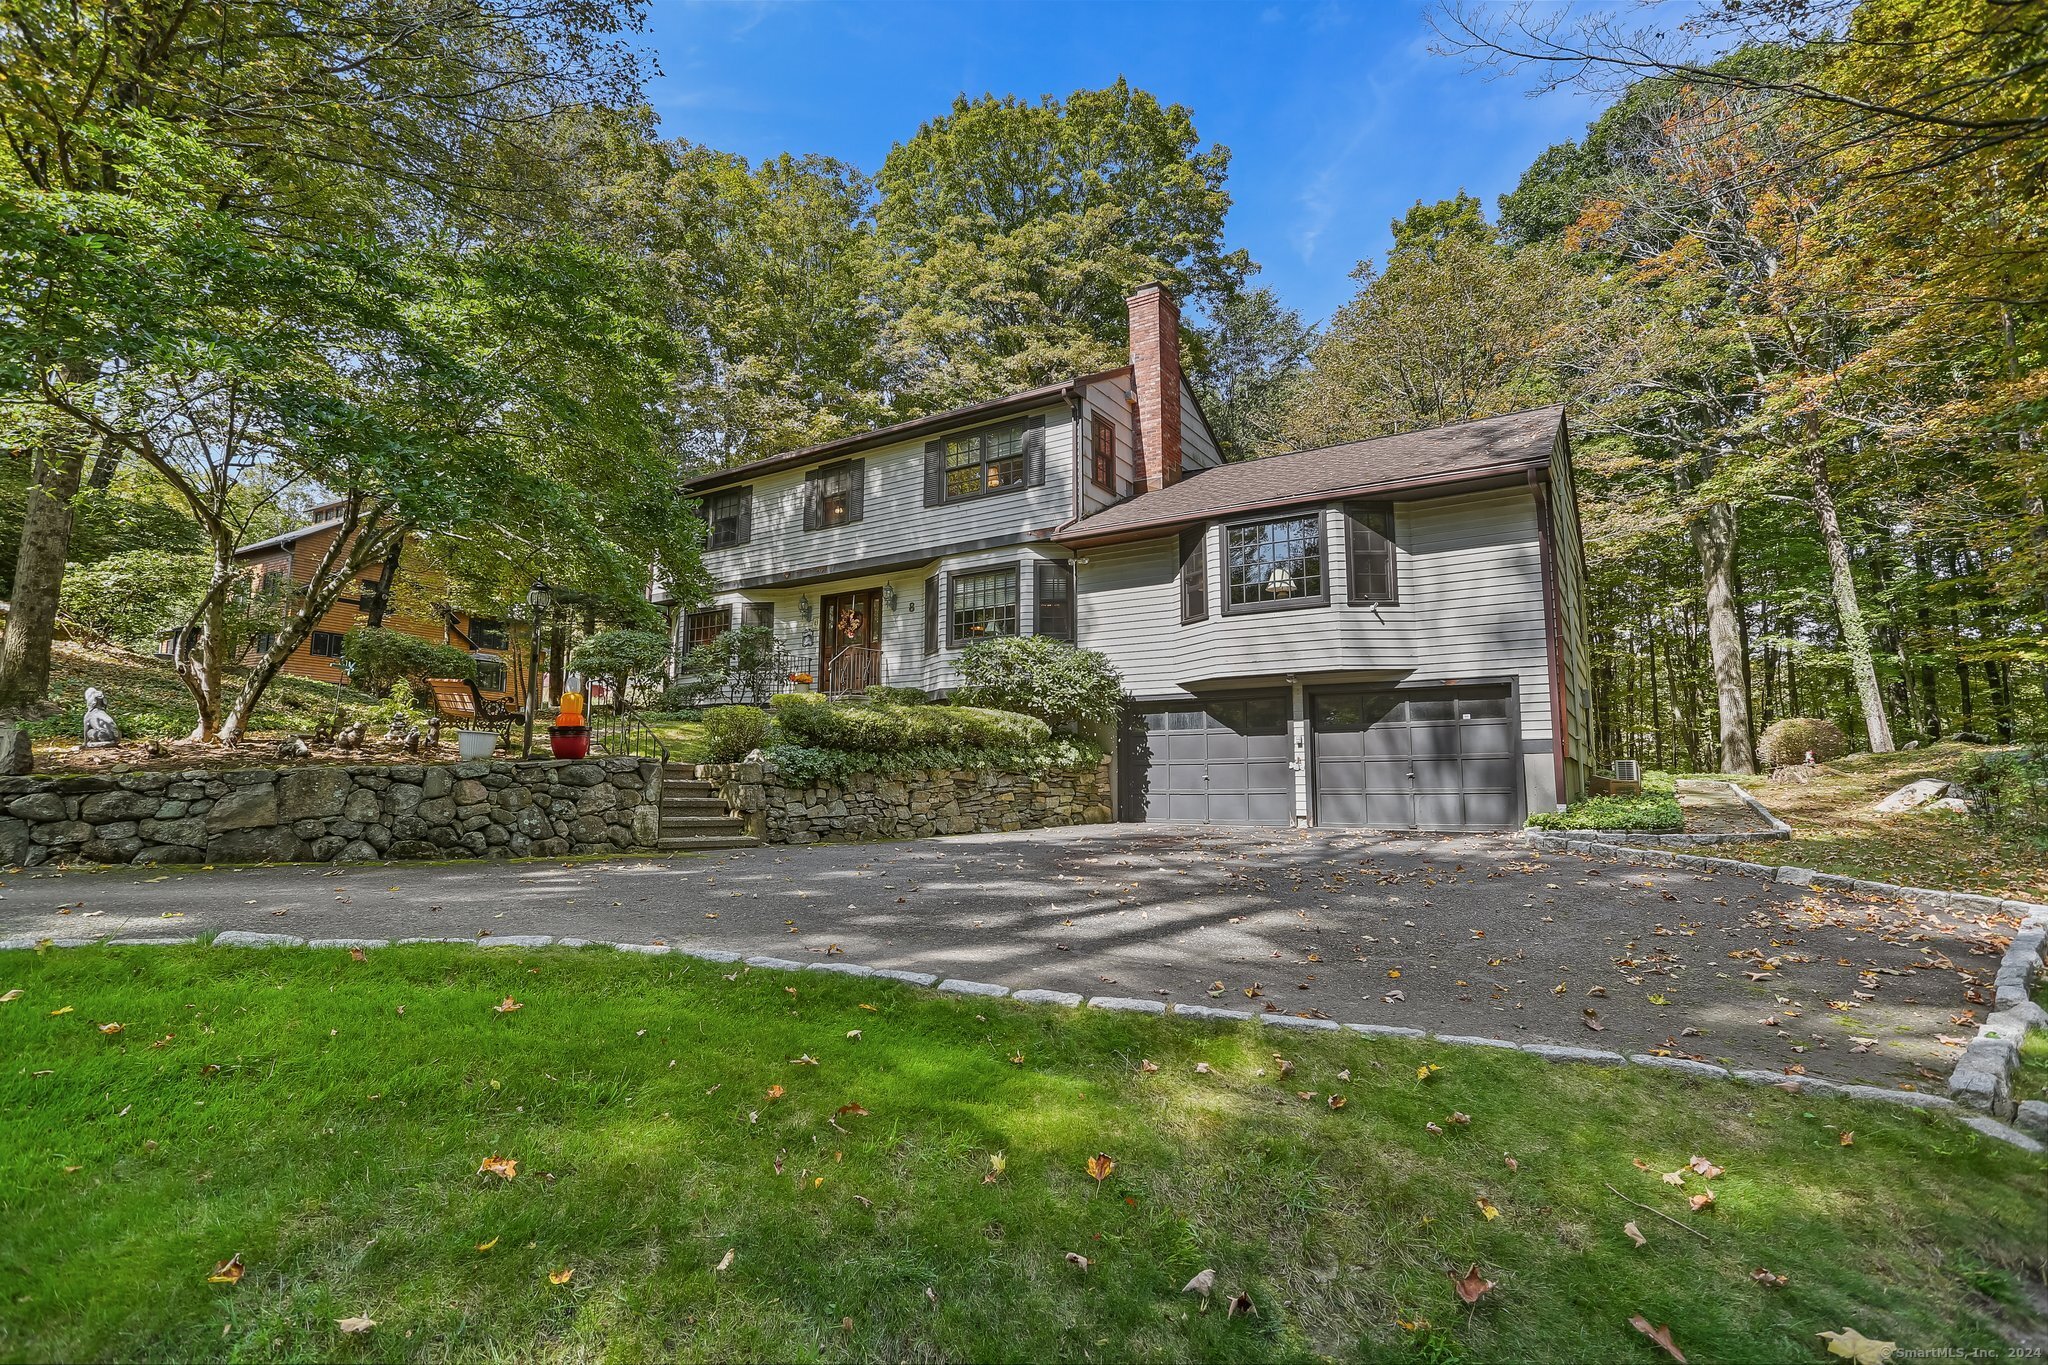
572, 710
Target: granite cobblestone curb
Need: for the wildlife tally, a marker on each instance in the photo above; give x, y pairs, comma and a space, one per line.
1982, 1078
2033, 1115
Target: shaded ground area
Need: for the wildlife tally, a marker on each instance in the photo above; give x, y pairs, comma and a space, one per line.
1836, 828
1458, 935
1710, 808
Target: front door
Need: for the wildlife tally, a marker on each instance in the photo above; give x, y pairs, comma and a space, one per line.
850, 645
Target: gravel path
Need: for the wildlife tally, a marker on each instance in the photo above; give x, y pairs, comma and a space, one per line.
1475, 935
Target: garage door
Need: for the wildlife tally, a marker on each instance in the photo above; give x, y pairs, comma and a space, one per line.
1223, 762
1416, 758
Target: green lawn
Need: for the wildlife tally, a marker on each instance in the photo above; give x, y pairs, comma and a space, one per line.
685, 738
325, 1119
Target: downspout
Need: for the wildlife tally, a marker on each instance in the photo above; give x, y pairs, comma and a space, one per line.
1560, 732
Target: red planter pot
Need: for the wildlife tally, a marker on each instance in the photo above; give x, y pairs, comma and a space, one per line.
569, 741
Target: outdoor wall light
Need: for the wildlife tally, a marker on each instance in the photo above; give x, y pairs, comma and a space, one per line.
889, 593
803, 608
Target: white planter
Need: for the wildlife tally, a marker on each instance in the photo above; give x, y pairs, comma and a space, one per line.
475, 744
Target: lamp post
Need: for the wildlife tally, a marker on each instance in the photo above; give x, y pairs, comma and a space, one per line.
538, 600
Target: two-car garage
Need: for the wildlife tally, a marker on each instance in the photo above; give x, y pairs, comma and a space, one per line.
1411, 758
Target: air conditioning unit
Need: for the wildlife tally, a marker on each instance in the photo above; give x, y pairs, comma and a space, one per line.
1628, 770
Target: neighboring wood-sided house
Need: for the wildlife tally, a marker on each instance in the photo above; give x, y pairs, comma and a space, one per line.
400, 594
1383, 634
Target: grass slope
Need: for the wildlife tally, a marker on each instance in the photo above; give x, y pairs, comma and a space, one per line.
336, 1148
1835, 828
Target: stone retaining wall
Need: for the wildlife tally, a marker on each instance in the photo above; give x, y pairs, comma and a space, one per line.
908, 805
357, 812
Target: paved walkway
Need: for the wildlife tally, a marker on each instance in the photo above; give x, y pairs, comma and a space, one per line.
1474, 935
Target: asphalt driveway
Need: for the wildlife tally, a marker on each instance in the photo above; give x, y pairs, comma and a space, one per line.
1471, 935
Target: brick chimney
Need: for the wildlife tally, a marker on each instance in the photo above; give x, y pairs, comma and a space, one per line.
1155, 379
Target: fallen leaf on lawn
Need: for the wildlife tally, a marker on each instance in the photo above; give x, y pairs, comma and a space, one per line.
1077, 1260
1848, 1140
110, 1028
1512, 1164
561, 1276
1674, 1177
1704, 1199
1471, 1284
1338, 1101
486, 1246
506, 1006
356, 955
65, 1010
806, 1060
1639, 1163
1767, 1279
1635, 1234
1432, 1128
775, 1092
1203, 1069
725, 1261
1706, 1168
1457, 1117
10, 997
853, 1109
228, 1271
1146, 1066
1202, 1284
1241, 1305
1286, 1067
355, 1326
854, 1034
1426, 1070
997, 1164
1486, 1207
506, 1166
1099, 1167
1660, 1335
932, 1295
1851, 1344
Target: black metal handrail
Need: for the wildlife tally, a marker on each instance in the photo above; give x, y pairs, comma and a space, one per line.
624, 733
855, 668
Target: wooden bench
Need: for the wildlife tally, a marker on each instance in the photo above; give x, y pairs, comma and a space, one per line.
459, 703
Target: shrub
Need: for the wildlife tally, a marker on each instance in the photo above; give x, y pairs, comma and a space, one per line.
733, 732
130, 596
376, 659
621, 658
866, 727
1041, 677
738, 666
1788, 741
2010, 788
803, 766
883, 695
1650, 813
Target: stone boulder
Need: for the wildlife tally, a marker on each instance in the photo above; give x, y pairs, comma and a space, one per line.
1913, 795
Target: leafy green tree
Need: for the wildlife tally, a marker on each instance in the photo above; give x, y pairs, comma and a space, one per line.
622, 659
1012, 232
1426, 227
1247, 366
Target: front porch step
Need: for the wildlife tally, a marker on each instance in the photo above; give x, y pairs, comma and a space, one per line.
706, 824
699, 843
692, 805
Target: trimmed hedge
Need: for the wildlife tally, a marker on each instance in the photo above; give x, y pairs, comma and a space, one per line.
733, 732
815, 722
802, 766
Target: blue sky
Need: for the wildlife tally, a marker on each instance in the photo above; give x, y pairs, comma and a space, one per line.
1338, 117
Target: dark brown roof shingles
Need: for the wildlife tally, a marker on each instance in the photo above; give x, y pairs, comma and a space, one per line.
1480, 449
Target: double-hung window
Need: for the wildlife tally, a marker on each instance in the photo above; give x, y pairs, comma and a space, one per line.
984, 605
325, 644
1275, 562
1054, 605
729, 518
1102, 453
984, 462
832, 495
1370, 526
702, 627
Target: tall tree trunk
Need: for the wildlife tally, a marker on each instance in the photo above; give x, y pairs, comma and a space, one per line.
1855, 638
39, 564
1713, 537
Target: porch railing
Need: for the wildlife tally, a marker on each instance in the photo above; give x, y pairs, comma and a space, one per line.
853, 669
625, 734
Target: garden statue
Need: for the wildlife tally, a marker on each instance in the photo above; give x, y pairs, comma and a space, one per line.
433, 732
396, 734
100, 729
294, 747
412, 740
350, 737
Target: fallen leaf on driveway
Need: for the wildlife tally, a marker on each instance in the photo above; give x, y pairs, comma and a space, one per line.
1635, 1234
1660, 1335
1471, 1284
354, 1326
1852, 1345
228, 1271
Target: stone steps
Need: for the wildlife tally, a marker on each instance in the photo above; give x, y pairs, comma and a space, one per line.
694, 816
689, 843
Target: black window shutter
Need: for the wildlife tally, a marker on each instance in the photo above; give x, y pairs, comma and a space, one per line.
746, 518
1034, 452
1373, 575
931, 615
934, 473
1194, 575
856, 484
814, 501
